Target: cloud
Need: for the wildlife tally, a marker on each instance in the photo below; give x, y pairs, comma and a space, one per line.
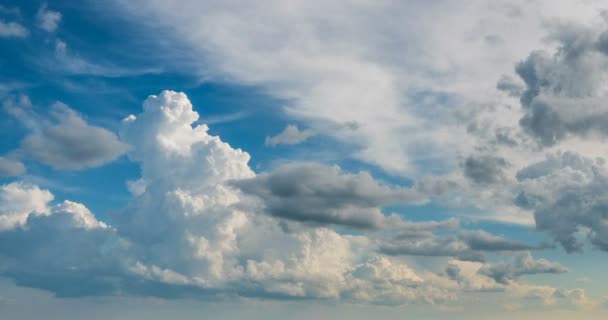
310, 192
484, 169
568, 195
189, 233
419, 239
564, 90
523, 264
18, 201
291, 135
72, 143
11, 167
48, 20
12, 30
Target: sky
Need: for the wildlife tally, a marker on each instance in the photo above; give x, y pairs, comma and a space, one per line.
303, 159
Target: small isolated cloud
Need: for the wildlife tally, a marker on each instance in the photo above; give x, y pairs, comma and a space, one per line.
72, 143
291, 135
48, 20
310, 192
12, 30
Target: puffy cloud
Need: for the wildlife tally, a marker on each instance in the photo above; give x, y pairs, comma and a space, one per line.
18, 201
568, 195
523, 264
291, 135
310, 192
484, 241
48, 20
189, 233
11, 167
484, 169
72, 143
12, 29
565, 90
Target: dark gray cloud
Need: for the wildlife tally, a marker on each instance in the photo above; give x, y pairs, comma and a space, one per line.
523, 264
316, 193
483, 241
564, 92
484, 169
466, 245
72, 143
568, 195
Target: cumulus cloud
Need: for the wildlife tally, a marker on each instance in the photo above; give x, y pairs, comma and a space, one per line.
291, 135
18, 201
12, 30
484, 169
568, 195
565, 90
48, 20
188, 234
71, 143
522, 264
310, 192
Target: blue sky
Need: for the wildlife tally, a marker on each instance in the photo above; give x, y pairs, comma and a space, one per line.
299, 159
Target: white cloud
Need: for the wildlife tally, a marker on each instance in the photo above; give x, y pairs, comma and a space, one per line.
400, 83
48, 20
12, 29
18, 201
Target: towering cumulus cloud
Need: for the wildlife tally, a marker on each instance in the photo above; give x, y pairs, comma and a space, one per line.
192, 229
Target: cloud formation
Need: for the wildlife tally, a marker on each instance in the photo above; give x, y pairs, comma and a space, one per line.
48, 20
291, 135
310, 192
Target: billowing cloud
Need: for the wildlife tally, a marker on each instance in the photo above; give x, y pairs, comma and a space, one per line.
484, 169
565, 90
72, 143
189, 233
18, 201
310, 192
568, 195
291, 135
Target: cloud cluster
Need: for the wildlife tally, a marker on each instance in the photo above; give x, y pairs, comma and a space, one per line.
189, 233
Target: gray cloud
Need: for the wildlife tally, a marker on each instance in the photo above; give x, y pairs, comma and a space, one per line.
568, 195
510, 86
72, 143
522, 264
11, 167
484, 169
564, 92
483, 241
316, 193
291, 135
